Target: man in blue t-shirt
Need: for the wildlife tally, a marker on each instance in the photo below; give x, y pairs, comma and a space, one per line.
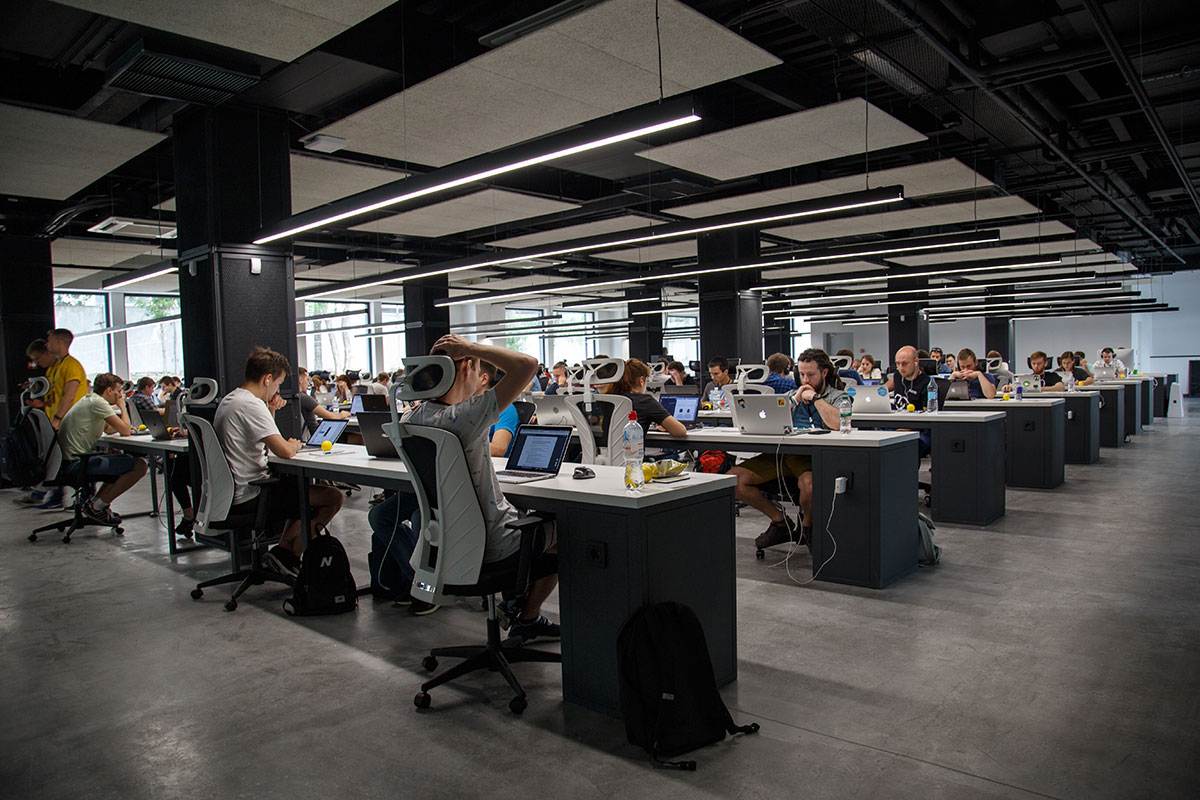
980, 385
779, 365
501, 434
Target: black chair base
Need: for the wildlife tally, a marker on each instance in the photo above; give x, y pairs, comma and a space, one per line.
67, 527
255, 575
493, 656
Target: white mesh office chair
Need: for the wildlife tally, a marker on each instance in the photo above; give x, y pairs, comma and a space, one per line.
448, 558
605, 414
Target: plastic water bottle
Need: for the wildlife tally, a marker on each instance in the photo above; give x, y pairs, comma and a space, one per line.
931, 397
633, 444
1070, 381
845, 405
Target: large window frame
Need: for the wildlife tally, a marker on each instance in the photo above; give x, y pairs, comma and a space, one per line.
333, 342
167, 335
94, 350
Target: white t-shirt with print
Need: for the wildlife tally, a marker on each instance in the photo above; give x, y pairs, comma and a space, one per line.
242, 422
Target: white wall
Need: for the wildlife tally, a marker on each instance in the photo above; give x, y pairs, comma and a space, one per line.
873, 339
954, 336
1089, 334
1167, 339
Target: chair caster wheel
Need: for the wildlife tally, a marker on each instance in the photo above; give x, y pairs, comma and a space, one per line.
33, 537
760, 554
231, 605
66, 540
429, 663
119, 531
518, 705
197, 594
422, 700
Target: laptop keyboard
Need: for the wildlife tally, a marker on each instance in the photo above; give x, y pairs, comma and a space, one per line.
520, 473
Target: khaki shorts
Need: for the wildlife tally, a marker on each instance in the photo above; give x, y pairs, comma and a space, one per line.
766, 468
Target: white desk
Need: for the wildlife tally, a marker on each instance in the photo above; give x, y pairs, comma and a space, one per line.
616, 552
168, 450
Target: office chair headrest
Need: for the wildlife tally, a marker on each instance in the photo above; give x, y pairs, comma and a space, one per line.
425, 377
201, 392
841, 362
127, 387
599, 371
992, 364
658, 368
38, 387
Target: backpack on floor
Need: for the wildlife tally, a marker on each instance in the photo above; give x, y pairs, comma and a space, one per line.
716, 462
928, 553
324, 585
19, 457
669, 696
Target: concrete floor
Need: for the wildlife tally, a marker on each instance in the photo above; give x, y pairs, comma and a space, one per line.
1054, 653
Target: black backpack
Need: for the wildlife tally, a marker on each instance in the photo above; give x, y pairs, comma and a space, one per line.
668, 692
19, 457
324, 585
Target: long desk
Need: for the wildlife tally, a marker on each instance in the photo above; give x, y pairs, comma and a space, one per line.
143, 444
967, 460
876, 519
1134, 389
617, 551
1034, 438
1112, 414
1082, 445
1161, 391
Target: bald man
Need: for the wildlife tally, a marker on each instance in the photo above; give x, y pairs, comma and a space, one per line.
909, 385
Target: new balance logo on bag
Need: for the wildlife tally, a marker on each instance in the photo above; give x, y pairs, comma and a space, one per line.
327, 561
325, 584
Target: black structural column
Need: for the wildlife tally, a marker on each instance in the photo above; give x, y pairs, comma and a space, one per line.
778, 338
425, 322
730, 314
997, 335
26, 312
646, 333
908, 323
232, 177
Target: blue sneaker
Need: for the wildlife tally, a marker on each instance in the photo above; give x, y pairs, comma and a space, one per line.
539, 629
54, 499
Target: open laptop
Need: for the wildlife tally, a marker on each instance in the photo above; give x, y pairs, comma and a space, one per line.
329, 430
1104, 373
870, 399
325, 398
368, 402
683, 408
156, 426
766, 414
1028, 382
956, 390
370, 425
537, 453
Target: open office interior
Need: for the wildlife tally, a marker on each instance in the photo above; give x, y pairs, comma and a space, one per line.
689, 208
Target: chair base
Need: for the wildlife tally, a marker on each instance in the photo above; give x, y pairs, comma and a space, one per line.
67, 527
493, 656
256, 575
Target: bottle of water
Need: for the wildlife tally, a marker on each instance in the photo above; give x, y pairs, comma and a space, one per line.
844, 405
633, 445
931, 397
1070, 381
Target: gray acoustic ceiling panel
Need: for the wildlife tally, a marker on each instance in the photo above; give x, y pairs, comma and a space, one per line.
667, 251
467, 213
919, 180
805, 137
1063, 248
97, 253
834, 269
631, 223
1034, 230
317, 181
279, 29
53, 156
349, 270
598, 61
921, 217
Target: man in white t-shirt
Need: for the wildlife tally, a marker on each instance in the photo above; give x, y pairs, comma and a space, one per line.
245, 424
1108, 358
470, 416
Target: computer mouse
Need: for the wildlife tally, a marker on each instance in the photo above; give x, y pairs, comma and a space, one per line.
583, 473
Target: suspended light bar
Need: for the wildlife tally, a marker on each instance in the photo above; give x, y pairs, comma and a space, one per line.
139, 275
1059, 294
475, 170
897, 276
668, 310
1131, 306
1074, 278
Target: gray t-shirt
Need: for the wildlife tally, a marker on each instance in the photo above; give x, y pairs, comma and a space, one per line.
242, 423
470, 422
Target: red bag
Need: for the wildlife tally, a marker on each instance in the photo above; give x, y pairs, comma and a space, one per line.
716, 462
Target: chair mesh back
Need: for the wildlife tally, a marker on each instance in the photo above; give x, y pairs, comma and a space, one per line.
54, 459
44, 432
562, 410
135, 415
606, 408
216, 478
524, 411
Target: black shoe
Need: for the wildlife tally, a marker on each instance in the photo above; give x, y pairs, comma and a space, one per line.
419, 608
539, 629
281, 560
184, 529
106, 516
778, 532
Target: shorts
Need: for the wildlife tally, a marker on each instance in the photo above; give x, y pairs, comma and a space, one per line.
766, 468
543, 564
102, 468
283, 504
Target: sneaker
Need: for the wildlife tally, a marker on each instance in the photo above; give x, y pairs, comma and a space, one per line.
525, 631
778, 532
54, 500
508, 612
419, 608
31, 499
105, 516
184, 529
281, 560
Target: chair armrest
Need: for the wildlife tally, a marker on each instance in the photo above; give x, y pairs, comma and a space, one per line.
267, 482
529, 526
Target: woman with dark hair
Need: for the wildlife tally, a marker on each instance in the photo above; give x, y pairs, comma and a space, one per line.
632, 384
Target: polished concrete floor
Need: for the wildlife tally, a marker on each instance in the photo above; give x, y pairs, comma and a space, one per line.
1055, 653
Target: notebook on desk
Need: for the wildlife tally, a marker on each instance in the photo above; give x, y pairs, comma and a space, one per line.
765, 414
683, 408
330, 430
1104, 373
537, 453
370, 425
156, 426
1028, 382
870, 400
368, 402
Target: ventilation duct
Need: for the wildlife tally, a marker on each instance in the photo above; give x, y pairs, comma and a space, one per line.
173, 78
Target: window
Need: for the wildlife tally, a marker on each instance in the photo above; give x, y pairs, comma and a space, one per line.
337, 351
79, 313
525, 343
800, 342
684, 348
153, 350
575, 348
393, 338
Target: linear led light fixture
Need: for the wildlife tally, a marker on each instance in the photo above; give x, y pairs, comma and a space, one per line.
607, 303
717, 222
897, 276
948, 288
1054, 314
1154, 310
514, 331
668, 310
1131, 305
478, 169
138, 275
1130, 297
865, 322
1060, 293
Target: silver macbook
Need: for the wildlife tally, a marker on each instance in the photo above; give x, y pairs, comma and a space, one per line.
870, 399
537, 453
1028, 382
1104, 373
766, 414
959, 390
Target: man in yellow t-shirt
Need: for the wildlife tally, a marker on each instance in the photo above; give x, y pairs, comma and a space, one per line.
68, 381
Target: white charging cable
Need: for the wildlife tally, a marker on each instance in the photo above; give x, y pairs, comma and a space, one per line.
840, 486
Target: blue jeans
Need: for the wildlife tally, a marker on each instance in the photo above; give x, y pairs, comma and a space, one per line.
387, 534
923, 443
102, 468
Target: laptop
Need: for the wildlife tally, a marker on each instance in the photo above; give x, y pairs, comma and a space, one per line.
537, 453
766, 414
870, 399
172, 414
370, 424
329, 430
958, 390
155, 426
1104, 373
1028, 382
683, 408
368, 402
325, 398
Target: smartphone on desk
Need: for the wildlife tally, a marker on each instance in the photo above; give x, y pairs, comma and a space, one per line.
683, 476
819, 431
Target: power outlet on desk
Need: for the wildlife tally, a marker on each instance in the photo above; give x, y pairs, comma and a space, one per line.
596, 553
958, 445
1030, 426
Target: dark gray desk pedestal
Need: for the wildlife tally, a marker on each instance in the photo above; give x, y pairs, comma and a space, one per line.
1112, 415
1036, 439
1146, 393
1133, 408
1082, 427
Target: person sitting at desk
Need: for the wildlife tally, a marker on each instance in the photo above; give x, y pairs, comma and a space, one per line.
815, 406
1067, 363
167, 386
778, 366
980, 385
868, 368
245, 426
380, 384
1082, 362
342, 392
948, 365
79, 432
1108, 358
558, 379
718, 373
143, 398
469, 415
936, 354
910, 386
1051, 381
310, 409
632, 384
501, 434
677, 375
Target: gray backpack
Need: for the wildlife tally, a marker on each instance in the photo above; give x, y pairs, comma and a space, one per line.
928, 553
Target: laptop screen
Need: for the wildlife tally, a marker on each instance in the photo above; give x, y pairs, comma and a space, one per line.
539, 448
328, 430
356, 406
681, 407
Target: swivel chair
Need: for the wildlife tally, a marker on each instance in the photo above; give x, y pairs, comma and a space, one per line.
448, 559
67, 475
215, 525
600, 410
750, 380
